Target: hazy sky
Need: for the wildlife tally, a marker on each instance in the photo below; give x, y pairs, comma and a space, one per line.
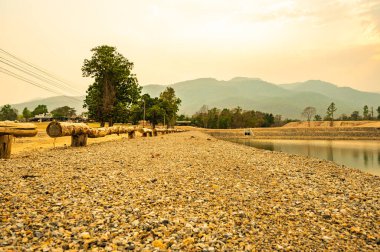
170, 41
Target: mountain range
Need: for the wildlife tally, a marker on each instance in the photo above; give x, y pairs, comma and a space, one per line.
288, 100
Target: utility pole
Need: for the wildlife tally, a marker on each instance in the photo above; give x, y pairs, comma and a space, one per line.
144, 115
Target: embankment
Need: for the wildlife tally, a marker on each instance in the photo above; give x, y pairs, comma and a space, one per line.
328, 133
184, 192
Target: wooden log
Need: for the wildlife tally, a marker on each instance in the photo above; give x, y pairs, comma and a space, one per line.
79, 140
145, 132
18, 129
5, 146
131, 134
61, 129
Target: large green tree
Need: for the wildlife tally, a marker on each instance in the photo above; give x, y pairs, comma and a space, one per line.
7, 112
170, 105
40, 109
115, 88
26, 113
64, 111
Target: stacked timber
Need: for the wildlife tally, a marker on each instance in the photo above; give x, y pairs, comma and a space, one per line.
8, 130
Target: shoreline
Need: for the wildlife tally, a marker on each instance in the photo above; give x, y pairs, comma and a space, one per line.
185, 191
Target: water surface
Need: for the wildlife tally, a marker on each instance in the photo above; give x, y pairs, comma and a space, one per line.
361, 154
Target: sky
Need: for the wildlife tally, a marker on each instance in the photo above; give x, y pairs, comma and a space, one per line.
171, 41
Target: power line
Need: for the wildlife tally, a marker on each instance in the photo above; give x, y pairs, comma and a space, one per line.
64, 82
3, 70
34, 74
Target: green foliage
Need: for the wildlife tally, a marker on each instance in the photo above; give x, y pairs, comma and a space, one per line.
378, 112
8, 113
234, 118
330, 111
26, 113
355, 116
40, 109
170, 105
115, 88
366, 115
317, 118
64, 111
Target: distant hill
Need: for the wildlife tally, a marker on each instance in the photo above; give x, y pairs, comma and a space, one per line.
288, 100
54, 102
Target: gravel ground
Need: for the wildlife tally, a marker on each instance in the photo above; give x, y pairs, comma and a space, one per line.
188, 192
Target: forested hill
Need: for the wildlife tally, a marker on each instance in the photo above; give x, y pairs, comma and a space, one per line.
289, 100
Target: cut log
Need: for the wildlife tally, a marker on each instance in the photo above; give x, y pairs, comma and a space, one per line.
5, 146
61, 129
18, 129
145, 132
131, 134
79, 140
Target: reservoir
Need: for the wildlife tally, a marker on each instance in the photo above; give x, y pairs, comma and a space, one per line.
361, 154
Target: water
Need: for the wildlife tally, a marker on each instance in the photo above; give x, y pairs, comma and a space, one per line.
361, 154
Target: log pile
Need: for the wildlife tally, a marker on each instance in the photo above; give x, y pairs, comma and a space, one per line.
8, 130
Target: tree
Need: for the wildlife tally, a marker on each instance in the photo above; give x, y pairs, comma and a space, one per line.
115, 88
308, 113
40, 109
170, 105
365, 113
355, 116
378, 112
64, 111
8, 113
330, 113
26, 113
317, 118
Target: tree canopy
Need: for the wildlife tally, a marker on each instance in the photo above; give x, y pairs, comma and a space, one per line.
114, 89
170, 105
308, 113
7, 112
26, 113
40, 109
64, 111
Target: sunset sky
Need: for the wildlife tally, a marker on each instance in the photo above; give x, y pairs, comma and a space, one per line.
170, 41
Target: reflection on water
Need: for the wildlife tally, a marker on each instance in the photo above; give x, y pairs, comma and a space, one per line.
364, 155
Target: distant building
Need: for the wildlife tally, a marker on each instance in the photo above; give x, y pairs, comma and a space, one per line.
183, 123
45, 117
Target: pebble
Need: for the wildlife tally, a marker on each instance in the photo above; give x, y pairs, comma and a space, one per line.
194, 195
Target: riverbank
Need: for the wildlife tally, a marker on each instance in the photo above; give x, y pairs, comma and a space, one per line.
312, 133
185, 191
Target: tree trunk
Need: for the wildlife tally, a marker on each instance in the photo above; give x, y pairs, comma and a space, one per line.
102, 124
5, 146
